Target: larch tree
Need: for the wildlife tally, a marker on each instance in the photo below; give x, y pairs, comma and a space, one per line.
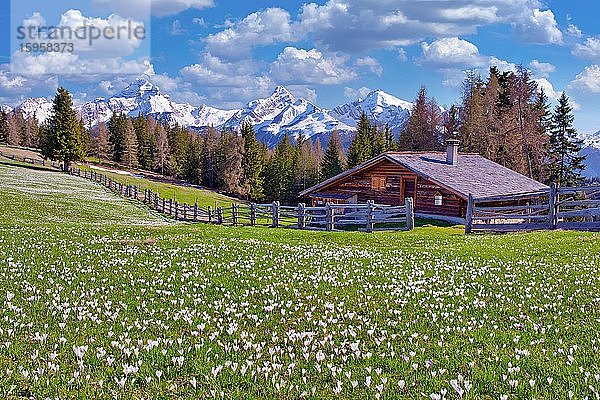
566, 165
102, 145
163, 152
63, 136
129, 156
230, 173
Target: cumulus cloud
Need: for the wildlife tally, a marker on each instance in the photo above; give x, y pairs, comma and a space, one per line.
257, 29
177, 28
451, 51
589, 50
548, 88
588, 80
541, 68
573, 30
301, 66
69, 64
371, 63
539, 27
215, 72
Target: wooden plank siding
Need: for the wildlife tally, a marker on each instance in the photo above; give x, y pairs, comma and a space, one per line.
400, 183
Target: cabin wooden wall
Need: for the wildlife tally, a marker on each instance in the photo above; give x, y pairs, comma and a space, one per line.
452, 204
396, 177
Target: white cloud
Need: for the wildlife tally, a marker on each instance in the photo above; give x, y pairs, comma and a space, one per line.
299, 66
360, 25
588, 80
354, 94
451, 51
371, 63
541, 68
214, 72
590, 50
574, 31
548, 88
69, 64
539, 27
257, 29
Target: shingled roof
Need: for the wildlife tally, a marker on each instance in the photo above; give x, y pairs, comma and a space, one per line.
472, 174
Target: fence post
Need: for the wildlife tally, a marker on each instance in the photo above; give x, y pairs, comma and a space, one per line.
219, 215
552, 207
234, 213
328, 217
176, 210
252, 214
275, 223
135, 192
469, 215
195, 211
410, 214
210, 214
370, 216
301, 219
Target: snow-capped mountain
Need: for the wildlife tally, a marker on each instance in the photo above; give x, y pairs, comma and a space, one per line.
272, 117
143, 97
380, 107
5, 109
39, 107
591, 149
282, 113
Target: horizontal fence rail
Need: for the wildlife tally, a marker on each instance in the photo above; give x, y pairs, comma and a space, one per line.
30, 160
368, 217
576, 208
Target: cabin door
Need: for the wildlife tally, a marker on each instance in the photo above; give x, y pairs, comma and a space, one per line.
407, 189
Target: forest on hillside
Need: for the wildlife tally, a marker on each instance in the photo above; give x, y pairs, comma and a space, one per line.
504, 117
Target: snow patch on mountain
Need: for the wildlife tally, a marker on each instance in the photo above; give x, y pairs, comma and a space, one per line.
380, 107
591, 151
39, 107
5, 108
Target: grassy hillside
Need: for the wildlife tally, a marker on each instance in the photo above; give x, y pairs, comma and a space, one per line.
183, 194
99, 309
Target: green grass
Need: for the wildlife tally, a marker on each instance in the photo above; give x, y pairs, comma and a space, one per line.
183, 194
242, 313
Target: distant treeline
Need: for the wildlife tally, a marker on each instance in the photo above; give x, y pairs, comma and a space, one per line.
505, 118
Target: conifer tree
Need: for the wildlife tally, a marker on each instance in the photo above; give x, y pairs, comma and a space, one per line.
146, 142
209, 158
420, 132
307, 167
229, 163
252, 163
279, 172
566, 165
116, 128
332, 163
193, 165
129, 156
390, 143
63, 138
361, 147
3, 127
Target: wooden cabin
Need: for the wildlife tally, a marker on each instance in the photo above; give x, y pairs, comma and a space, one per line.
439, 183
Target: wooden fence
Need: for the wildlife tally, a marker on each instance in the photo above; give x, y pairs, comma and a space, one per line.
364, 217
30, 160
575, 208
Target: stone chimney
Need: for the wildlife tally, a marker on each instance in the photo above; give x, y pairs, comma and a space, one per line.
452, 151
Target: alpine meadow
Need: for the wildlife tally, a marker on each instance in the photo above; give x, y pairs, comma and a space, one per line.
320, 200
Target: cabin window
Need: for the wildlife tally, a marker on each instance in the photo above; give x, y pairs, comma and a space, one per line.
378, 183
438, 199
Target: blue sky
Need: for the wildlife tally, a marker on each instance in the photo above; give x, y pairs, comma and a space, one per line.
225, 53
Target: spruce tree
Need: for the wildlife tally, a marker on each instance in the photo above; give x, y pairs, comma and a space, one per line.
116, 128
388, 136
332, 163
129, 156
63, 137
3, 127
361, 147
252, 163
566, 165
279, 172
209, 158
